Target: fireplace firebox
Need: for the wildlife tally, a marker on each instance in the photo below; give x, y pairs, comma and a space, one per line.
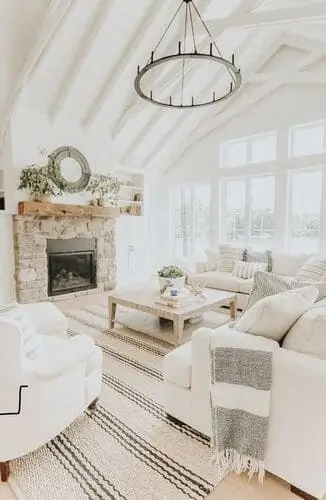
71, 265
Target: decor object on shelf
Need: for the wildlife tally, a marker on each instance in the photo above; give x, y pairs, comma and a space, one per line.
171, 276
36, 179
106, 188
69, 169
188, 53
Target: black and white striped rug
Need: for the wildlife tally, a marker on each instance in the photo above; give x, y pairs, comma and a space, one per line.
127, 448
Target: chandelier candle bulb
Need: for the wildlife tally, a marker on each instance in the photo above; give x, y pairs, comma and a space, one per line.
233, 59
179, 47
210, 49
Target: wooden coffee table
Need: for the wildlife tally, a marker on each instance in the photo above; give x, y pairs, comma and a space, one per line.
142, 297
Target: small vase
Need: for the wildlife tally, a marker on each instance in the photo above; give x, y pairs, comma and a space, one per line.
100, 202
177, 283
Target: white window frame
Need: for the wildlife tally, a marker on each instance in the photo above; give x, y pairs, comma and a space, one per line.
247, 179
193, 186
249, 141
299, 126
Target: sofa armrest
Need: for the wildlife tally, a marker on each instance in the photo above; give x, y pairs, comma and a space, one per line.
54, 360
46, 318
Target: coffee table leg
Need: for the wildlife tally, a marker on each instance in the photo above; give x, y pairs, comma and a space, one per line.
112, 311
178, 325
233, 309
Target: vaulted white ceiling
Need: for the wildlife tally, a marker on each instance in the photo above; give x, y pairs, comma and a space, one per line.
77, 59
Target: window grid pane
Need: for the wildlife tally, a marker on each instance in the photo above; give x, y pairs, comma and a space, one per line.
263, 148
234, 216
262, 212
305, 205
307, 140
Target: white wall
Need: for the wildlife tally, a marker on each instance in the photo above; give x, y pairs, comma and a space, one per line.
290, 105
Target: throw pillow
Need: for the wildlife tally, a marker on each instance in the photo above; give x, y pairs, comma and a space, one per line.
313, 270
247, 270
266, 257
272, 316
307, 335
228, 255
211, 260
267, 284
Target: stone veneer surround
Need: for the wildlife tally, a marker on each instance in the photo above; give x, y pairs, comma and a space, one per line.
31, 266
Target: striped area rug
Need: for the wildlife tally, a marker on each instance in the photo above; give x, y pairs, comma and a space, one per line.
127, 448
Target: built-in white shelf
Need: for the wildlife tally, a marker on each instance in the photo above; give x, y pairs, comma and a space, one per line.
129, 202
131, 193
133, 188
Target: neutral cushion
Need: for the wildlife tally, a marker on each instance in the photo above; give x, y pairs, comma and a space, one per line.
308, 334
250, 255
288, 264
267, 284
246, 286
313, 270
219, 281
272, 316
246, 270
29, 336
228, 255
177, 366
212, 257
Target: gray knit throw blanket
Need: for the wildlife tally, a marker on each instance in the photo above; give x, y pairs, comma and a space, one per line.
240, 399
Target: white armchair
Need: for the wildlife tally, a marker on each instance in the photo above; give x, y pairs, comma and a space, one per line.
47, 378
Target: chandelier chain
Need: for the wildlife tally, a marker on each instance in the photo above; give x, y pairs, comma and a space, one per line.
167, 29
214, 43
184, 48
192, 29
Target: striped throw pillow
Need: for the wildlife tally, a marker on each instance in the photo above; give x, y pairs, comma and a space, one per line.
313, 270
266, 284
247, 270
228, 255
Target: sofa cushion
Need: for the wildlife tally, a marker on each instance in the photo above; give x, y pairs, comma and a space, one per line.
212, 257
308, 334
288, 264
250, 255
272, 316
247, 270
219, 280
177, 366
228, 255
246, 286
313, 270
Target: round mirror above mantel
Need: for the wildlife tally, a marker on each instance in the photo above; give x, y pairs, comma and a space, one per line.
69, 169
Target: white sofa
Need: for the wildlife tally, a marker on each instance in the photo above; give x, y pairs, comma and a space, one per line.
296, 448
283, 264
47, 379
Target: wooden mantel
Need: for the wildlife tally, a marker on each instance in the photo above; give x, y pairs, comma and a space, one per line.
41, 209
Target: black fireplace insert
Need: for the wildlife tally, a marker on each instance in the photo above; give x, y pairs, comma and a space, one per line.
71, 265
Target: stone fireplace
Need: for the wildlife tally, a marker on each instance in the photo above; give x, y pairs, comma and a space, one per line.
63, 255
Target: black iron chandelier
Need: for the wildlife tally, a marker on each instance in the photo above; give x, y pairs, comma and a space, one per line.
185, 55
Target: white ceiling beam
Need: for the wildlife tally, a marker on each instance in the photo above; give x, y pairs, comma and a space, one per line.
295, 78
53, 20
96, 24
146, 31
242, 104
314, 11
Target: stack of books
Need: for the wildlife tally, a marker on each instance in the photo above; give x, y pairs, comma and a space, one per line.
166, 299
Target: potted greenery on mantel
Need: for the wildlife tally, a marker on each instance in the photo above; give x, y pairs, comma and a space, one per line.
105, 188
36, 179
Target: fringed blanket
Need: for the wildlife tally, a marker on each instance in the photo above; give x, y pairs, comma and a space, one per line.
240, 399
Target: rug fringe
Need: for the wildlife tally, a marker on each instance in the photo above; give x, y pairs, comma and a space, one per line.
230, 460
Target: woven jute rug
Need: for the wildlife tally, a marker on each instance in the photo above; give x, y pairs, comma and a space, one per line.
127, 448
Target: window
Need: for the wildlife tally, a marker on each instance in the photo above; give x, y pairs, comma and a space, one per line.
256, 149
249, 207
307, 139
262, 208
305, 206
190, 220
234, 212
